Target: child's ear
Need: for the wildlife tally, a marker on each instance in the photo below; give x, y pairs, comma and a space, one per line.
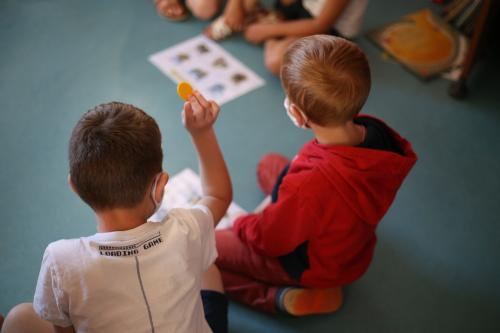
71, 185
298, 115
160, 186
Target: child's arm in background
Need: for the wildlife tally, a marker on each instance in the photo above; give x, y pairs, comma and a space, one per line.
259, 32
198, 117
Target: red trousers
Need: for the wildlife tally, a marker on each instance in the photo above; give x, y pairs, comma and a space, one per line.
248, 276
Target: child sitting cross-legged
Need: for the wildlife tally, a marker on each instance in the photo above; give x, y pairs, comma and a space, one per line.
300, 18
318, 234
134, 275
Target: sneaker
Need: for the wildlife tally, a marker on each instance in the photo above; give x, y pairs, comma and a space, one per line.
268, 170
302, 302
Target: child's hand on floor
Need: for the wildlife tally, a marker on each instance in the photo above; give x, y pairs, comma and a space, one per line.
199, 114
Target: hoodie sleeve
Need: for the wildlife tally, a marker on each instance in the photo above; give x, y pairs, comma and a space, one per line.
282, 226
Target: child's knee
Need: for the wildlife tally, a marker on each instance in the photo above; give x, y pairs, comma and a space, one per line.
273, 62
22, 318
20, 311
225, 240
203, 9
229, 247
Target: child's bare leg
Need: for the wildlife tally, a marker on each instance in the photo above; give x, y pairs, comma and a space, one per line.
249, 5
204, 9
274, 49
212, 280
22, 318
238, 10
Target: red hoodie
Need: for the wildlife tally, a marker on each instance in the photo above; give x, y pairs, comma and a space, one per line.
332, 197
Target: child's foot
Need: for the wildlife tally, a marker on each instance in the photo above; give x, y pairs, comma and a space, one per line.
268, 170
174, 10
236, 20
302, 302
218, 29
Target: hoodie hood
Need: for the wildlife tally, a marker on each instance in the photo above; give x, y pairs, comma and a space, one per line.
366, 179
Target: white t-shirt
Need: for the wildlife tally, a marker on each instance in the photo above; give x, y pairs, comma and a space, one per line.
348, 24
142, 280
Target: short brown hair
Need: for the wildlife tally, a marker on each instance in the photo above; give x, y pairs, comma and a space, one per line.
114, 153
327, 77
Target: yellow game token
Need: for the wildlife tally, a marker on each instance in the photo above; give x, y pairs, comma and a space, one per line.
184, 90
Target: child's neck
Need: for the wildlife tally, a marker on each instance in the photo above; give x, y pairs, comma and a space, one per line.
348, 134
120, 219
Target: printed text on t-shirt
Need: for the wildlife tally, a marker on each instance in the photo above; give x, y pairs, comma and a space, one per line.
132, 249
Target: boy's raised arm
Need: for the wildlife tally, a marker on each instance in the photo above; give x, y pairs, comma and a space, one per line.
198, 117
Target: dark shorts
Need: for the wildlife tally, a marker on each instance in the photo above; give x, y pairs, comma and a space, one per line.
296, 11
215, 306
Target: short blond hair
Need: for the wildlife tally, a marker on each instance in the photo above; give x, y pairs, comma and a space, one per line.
327, 77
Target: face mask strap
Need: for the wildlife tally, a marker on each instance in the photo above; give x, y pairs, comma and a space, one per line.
287, 105
153, 191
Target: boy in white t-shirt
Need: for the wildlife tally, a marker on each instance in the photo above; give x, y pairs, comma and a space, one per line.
134, 275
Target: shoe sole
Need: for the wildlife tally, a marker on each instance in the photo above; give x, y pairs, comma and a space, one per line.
302, 302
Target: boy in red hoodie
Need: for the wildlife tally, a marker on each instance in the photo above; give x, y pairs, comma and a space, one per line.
318, 234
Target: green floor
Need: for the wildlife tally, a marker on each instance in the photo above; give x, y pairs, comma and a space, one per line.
436, 267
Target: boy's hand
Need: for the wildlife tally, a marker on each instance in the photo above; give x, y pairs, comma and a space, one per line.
199, 114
